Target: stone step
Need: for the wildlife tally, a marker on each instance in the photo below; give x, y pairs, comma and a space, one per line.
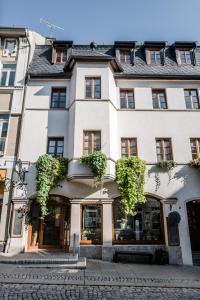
80, 264
39, 259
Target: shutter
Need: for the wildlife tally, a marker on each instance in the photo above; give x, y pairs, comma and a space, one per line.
117, 54
53, 55
178, 59
162, 53
193, 56
147, 53
132, 56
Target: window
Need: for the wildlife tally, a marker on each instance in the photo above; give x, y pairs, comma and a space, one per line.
159, 99
128, 147
55, 147
93, 88
91, 224
191, 99
10, 45
60, 55
163, 149
91, 141
145, 227
3, 132
195, 147
125, 56
127, 100
7, 75
153, 56
58, 98
185, 56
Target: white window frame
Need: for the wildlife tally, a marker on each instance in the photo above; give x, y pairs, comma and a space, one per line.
8, 70
2, 121
7, 52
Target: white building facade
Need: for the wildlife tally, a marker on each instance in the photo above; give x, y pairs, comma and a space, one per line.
124, 99
16, 50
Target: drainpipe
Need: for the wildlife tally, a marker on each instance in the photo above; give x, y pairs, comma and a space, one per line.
9, 214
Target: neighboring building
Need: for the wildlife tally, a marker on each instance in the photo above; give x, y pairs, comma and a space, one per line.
16, 50
125, 99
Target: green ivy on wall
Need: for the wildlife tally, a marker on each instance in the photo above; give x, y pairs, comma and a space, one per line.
49, 171
130, 177
97, 162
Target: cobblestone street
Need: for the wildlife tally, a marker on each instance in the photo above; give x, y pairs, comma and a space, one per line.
27, 291
101, 280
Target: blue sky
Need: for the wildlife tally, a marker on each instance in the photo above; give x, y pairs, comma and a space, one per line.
107, 20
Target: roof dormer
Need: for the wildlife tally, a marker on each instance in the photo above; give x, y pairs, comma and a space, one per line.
185, 53
124, 52
60, 51
155, 53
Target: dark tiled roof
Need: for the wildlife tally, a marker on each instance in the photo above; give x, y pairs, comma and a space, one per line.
42, 62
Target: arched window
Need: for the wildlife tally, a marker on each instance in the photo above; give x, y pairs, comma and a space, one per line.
146, 227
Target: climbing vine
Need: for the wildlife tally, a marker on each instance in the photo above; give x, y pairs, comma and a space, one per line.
166, 164
97, 162
130, 177
49, 171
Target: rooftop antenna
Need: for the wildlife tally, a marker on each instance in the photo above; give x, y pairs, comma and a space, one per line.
51, 26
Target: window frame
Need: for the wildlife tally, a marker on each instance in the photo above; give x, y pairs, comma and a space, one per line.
157, 91
56, 139
16, 45
91, 242
191, 99
139, 242
191, 57
61, 49
8, 71
163, 148
53, 89
92, 78
197, 146
2, 138
125, 51
126, 91
128, 146
153, 49
92, 140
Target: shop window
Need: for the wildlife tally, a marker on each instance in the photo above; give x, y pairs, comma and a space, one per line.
145, 227
91, 232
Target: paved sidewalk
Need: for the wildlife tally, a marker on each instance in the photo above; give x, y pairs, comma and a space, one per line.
99, 273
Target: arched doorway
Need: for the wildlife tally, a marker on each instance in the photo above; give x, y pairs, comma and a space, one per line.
51, 232
145, 227
193, 211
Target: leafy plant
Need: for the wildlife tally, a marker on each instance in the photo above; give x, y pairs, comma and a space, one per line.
97, 162
130, 177
166, 164
195, 163
49, 171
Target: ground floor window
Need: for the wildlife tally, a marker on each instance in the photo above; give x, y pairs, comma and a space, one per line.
91, 224
145, 227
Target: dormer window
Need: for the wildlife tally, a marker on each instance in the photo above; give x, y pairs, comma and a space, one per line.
185, 53
185, 56
125, 56
60, 55
154, 56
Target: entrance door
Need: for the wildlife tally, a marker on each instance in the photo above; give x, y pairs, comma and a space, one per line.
193, 210
51, 228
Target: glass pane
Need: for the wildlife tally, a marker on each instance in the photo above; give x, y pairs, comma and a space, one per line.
122, 56
188, 57
128, 57
158, 58
97, 88
3, 78
4, 129
58, 55
52, 227
11, 78
64, 56
130, 101
88, 88
91, 223
122, 100
144, 226
155, 101
10, 45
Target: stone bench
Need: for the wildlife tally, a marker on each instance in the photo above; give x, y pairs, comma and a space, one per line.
133, 253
